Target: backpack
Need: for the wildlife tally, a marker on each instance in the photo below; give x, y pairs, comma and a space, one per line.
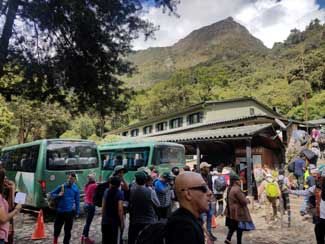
99, 193
53, 202
272, 189
153, 233
220, 183
281, 184
291, 167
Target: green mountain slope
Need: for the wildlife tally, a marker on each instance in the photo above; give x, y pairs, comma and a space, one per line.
224, 40
241, 66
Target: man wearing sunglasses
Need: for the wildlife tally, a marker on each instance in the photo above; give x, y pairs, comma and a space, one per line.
185, 226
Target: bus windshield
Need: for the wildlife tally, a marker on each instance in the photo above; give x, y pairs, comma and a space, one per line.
71, 155
164, 154
130, 158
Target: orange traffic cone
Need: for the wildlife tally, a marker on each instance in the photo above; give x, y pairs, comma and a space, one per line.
39, 232
213, 222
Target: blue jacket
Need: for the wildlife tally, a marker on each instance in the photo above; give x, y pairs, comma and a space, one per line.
300, 164
70, 197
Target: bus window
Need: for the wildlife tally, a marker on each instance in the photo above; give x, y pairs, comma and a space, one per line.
168, 155
22, 159
109, 159
71, 156
136, 157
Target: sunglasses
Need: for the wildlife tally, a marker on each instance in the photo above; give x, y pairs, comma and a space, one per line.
203, 188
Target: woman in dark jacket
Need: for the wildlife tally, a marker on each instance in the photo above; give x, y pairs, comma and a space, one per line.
237, 214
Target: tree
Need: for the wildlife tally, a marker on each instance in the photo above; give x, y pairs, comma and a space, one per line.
71, 47
36, 120
6, 122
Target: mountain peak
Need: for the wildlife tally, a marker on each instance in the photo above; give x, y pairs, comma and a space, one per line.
225, 39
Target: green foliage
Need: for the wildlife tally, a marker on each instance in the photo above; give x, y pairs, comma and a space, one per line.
84, 126
111, 138
70, 134
71, 47
316, 108
36, 120
6, 122
279, 77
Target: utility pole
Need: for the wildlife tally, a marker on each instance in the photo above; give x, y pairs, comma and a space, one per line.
305, 87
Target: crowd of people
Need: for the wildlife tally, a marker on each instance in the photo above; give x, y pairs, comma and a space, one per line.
180, 201
177, 202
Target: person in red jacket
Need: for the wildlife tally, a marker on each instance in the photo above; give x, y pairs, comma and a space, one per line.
89, 207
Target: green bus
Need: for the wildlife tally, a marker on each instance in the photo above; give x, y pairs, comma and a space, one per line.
39, 167
135, 154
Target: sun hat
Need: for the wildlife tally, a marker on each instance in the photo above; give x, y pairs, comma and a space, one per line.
204, 164
118, 168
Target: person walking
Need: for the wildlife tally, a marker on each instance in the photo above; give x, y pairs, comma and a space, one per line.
273, 192
219, 187
309, 181
143, 202
284, 186
112, 213
68, 196
185, 225
205, 173
89, 207
299, 170
237, 214
5, 215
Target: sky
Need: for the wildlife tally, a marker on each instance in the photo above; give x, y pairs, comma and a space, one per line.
268, 20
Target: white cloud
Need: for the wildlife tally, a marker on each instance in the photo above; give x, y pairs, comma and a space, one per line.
265, 19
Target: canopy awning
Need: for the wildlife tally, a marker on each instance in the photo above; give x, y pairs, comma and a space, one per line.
212, 135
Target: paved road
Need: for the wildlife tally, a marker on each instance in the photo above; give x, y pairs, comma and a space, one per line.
301, 230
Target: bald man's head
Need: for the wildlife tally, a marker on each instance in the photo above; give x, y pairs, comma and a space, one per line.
192, 192
188, 179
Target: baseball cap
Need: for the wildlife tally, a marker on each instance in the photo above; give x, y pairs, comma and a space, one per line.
167, 175
204, 164
312, 166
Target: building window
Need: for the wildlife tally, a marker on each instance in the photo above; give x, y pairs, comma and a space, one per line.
134, 132
175, 123
125, 133
194, 118
251, 111
161, 126
147, 130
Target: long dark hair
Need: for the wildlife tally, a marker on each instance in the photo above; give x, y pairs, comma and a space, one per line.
2, 180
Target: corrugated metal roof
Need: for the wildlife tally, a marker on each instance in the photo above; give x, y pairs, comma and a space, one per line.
218, 134
317, 121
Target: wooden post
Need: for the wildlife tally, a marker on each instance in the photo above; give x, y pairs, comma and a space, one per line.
198, 157
249, 167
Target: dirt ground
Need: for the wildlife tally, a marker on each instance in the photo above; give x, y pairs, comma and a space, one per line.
277, 232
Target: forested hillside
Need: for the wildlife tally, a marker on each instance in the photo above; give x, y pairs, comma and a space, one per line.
274, 76
219, 61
